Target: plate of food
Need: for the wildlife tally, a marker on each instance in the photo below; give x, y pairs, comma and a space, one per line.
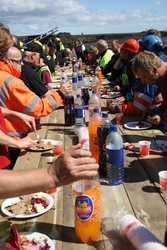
112, 96
29, 240
43, 145
27, 206
55, 80
136, 126
158, 146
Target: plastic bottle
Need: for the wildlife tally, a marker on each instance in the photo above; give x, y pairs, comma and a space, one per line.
79, 112
94, 102
98, 72
69, 110
102, 132
63, 81
79, 79
96, 84
86, 209
115, 157
94, 123
74, 80
85, 90
80, 63
63, 74
76, 66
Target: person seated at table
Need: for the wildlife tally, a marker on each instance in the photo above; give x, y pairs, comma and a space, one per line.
125, 78
115, 47
145, 97
51, 56
31, 59
105, 55
79, 48
72, 165
73, 52
94, 53
149, 68
23, 99
44, 74
63, 57
7, 160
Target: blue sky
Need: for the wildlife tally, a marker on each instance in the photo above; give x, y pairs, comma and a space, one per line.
27, 17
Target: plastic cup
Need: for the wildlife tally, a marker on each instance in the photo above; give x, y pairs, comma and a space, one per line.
37, 121
119, 118
144, 148
104, 91
108, 102
163, 180
57, 147
51, 191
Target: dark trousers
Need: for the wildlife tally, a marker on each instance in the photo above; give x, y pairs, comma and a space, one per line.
14, 153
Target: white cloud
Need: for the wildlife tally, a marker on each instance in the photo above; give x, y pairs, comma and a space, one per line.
158, 2
32, 17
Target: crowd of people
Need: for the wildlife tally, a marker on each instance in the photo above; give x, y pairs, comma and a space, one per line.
135, 68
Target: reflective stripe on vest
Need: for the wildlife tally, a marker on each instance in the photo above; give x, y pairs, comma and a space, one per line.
17, 134
43, 69
52, 102
4, 89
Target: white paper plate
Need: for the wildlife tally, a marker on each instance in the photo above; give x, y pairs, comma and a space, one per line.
69, 73
35, 235
134, 125
10, 201
55, 80
41, 150
56, 87
112, 96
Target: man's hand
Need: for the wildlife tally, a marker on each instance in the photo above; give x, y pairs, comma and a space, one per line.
156, 119
66, 88
112, 107
74, 164
117, 88
26, 142
29, 121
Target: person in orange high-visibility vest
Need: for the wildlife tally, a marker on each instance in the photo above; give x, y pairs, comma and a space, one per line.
15, 95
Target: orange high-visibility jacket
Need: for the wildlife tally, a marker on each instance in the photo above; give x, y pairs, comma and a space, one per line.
141, 103
15, 95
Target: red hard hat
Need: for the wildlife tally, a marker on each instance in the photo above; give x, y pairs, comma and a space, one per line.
130, 45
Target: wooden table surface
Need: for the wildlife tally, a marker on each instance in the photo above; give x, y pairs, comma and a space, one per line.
139, 194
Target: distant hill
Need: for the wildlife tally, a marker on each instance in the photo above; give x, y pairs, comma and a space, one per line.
92, 39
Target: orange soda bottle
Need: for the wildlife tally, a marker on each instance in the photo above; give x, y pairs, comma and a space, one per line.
96, 84
86, 202
94, 123
98, 72
80, 63
94, 102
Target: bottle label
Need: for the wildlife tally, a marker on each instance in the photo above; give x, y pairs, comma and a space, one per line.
80, 78
69, 109
74, 79
87, 203
115, 156
79, 112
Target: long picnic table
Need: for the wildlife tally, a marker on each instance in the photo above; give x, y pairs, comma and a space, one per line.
140, 193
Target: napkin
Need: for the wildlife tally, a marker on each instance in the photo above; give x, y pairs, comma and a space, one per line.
14, 241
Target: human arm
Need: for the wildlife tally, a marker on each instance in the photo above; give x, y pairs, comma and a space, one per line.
74, 164
66, 88
6, 140
29, 121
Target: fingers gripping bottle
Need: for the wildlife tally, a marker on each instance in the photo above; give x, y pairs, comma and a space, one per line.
86, 202
94, 123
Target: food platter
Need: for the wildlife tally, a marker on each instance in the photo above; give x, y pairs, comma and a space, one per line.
40, 239
40, 149
11, 201
112, 96
135, 125
55, 80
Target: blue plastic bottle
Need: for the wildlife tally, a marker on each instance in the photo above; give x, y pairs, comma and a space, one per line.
115, 157
74, 80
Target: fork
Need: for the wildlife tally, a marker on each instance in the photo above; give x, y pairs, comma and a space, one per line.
38, 137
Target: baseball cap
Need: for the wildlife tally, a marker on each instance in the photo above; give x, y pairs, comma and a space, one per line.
34, 47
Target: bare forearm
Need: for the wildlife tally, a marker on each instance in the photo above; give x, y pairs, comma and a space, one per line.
24, 182
6, 140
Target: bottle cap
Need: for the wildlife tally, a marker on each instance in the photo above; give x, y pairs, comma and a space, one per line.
114, 128
105, 114
96, 110
78, 95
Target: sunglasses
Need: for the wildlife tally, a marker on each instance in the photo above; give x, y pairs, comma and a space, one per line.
17, 60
